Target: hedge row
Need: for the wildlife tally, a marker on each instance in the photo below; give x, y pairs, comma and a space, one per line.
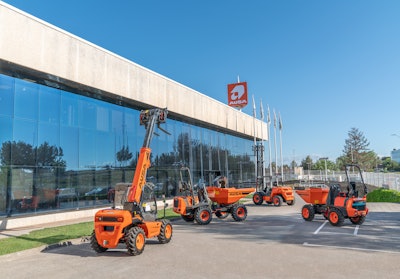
383, 195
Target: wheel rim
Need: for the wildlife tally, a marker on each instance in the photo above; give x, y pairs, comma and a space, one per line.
204, 215
240, 212
168, 231
140, 241
333, 216
256, 198
305, 212
276, 201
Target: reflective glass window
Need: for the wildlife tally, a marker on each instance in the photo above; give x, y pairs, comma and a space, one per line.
49, 105
69, 109
6, 95
131, 128
105, 149
87, 113
103, 117
69, 142
6, 129
116, 120
25, 131
87, 149
49, 133
26, 99
195, 143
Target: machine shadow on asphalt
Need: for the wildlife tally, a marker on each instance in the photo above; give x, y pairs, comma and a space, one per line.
83, 249
380, 232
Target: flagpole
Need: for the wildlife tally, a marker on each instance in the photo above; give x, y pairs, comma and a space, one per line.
255, 142
280, 140
264, 182
269, 146
276, 151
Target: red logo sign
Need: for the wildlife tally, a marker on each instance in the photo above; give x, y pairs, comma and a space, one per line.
237, 95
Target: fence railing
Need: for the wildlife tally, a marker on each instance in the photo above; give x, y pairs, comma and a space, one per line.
385, 180
378, 179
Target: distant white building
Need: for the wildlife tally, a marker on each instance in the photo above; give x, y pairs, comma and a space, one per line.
395, 155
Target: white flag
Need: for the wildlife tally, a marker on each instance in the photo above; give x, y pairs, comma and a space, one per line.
261, 111
254, 108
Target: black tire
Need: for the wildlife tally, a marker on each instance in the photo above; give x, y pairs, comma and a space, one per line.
221, 214
203, 215
357, 220
188, 218
335, 217
257, 198
135, 240
239, 212
277, 200
165, 232
95, 245
308, 212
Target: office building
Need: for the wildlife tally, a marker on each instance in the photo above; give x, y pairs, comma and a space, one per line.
69, 120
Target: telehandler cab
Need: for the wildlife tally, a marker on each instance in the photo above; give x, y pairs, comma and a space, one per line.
128, 225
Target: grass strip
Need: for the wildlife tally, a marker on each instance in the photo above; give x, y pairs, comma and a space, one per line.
54, 235
45, 236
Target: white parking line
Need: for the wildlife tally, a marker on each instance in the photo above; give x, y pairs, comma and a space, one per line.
320, 227
326, 221
350, 248
356, 230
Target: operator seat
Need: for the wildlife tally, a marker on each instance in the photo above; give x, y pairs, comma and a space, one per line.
333, 193
352, 191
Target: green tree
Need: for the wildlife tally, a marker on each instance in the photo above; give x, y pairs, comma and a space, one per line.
293, 164
390, 165
355, 144
320, 165
356, 151
124, 155
24, 154
307, 163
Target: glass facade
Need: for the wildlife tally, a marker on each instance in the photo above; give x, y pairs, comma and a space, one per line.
63, 151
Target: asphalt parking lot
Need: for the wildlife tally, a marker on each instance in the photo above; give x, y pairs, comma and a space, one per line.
273, 242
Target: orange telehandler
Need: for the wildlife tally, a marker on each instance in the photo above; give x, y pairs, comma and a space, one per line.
128, 225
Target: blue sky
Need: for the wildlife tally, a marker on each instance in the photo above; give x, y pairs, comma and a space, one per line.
325, 66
